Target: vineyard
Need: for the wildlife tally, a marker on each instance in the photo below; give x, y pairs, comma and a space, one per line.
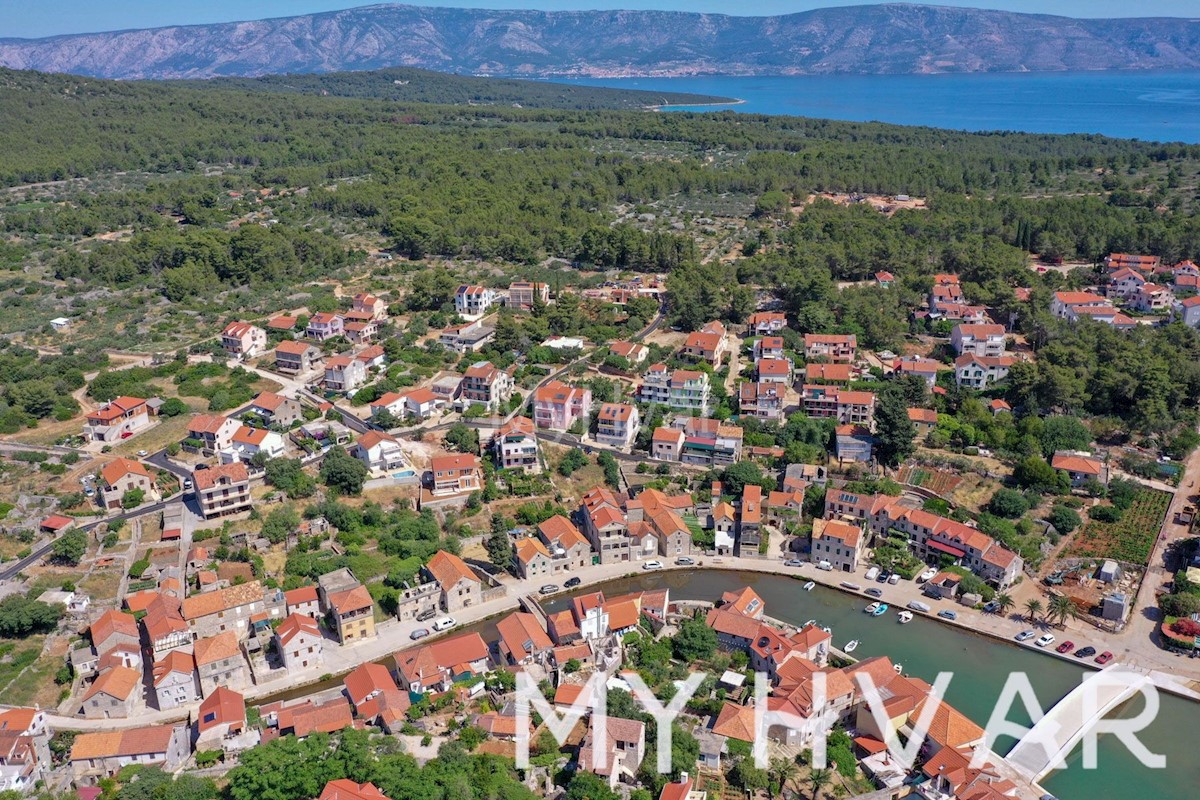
1131, 538
938, 481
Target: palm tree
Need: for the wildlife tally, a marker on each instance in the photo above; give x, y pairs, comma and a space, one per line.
781, 771
1062, 608
1033, 608
819, 779
1004, 602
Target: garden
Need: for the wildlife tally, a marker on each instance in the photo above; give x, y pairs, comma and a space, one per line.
1126, 532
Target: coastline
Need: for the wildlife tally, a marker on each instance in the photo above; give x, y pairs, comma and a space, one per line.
735, 101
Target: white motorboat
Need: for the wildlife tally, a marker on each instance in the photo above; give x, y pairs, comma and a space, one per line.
904, 617
808, 587
899, 669
871, 609
850, 646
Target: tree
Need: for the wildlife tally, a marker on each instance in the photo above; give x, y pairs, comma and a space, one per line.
1035, 473
1008, 503
1064, 433
173, 407
694, 641
342, 471
748, 777
69, 548
735, 477
573, 461
279, 523
894, 431
1004, 602
1063, 519
133, 498
780, 771
818, 779
1033, 607
612, 472
463, 438
500, 549
587, 785
288, 475
21, 615
1061, 608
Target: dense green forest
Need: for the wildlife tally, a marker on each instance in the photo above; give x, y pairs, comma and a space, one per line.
409, 85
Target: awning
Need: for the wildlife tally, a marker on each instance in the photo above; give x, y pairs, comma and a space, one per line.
945, 548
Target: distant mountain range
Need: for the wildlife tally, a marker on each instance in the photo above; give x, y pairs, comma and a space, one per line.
872, 39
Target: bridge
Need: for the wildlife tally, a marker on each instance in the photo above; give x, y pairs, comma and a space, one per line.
1046, 746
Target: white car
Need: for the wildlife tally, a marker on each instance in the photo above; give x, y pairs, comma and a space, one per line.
1045, 640
143, 453
444, 624
926, 575
652, 565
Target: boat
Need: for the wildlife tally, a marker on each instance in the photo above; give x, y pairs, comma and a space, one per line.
827, 629
854, 587
917, 605
810, 622
883, 607
808, 587
904, 617
872, 609
899, 669
850, 646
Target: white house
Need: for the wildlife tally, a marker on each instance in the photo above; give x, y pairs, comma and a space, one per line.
380, 452
248, 442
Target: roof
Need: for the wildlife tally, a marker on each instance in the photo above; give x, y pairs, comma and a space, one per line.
253, 436
667, 435
743, 601
773, 366
293, 347
827, 372
949, 727
268, 400
521, 634
557, 392
979, 329
282, 322
296, 624
530, 548
238, 329
923, 415
306, 718
449, 463
110, 623
348, 600
732, 623
225, 707
615, 412
851, 535
1072, 462
201, 605
372, 439
304, 594
345, 789
735, 722
207, 423
119, 682
367, 679
129, 742
830, 338
208, 478
55, 522
448, 569
1078, 298
118, 468
562, 531
216, 648
174, 661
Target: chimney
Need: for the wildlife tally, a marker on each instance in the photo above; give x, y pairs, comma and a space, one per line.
683, 777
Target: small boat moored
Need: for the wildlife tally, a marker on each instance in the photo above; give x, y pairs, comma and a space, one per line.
851, 646
881, 610
872, 609
899, 669
904, 617
808, 587
854, 587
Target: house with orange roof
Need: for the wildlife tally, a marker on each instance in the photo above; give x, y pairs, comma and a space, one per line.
744, 601
684, 390
951, 775
487, 385
766, 323
979, 340
457, 473
685, 788
303, 719
632, 352
1152, 298
229, 609
221, 723
734, 631
123, 475
1063, 302
768, 347
979, 372
249, 442
1125, 282
853, 443
1080, 467
558, 406
299, 642
735, 722
164, 626
114, 629
104, 753
344, 374
435, 667
344, 789
605, 525
324, 325
1105, 314
381, 452
214, 432
303, 600
353, 613
932, 537
294, 357
25, 758
174, 680
667, 444
115, 694
223, 490
533, 559
281, 323
376, 697
569, 549
723, 521
366, 303
1188, 310
220, 662
706, 346
243, 340
522, 640
618, 424
118, 419
836, 402
563, 629
923, 419
474, 301
460, 586
830, 347
1141, 263
275, 409
621, 757
515, 446
761, 400
750, 517
838, 544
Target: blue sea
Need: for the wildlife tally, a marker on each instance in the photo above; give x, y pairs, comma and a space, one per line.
1160, 106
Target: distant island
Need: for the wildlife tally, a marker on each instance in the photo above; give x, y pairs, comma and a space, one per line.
869, 39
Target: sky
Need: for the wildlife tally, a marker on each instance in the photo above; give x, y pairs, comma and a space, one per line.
35, 18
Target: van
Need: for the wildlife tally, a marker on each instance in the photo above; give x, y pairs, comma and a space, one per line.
825, 565
894, 578
444, 624
872, 573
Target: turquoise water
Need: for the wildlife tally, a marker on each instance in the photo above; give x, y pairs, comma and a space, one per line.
1161, 106
980, 666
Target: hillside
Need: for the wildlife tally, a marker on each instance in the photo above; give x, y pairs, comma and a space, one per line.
879, 39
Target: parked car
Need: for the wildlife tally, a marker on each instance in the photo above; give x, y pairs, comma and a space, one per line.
948, 614
883, 576
89, 492
1025, 636
926, 575
653, 565
991, 608
571, 583
444, 624
1104, 657
875, 592
427, 614
549, 588
1066, 646
894, 578
825, 565
419, 633
1045, 640
793, 562
143, 453
1085, 652
684, 561
187, 484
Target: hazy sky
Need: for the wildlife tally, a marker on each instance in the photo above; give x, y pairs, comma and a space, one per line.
30, 18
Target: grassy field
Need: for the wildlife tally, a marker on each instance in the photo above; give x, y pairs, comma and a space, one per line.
1131, 538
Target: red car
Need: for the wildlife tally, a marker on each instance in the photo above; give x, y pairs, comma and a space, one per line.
1104, 657
1066, 647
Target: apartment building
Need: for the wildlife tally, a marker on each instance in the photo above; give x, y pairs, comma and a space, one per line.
525, 294
473, 301
487, 385
365, 303
344, 374
846, 406
459, 584
617, 424
684, 390
558, 406
230, 609
605, 525
324, 325
830, 346
761, 400
120, 418
455, 474
275, 409
979, 340
213, 431
979, 372
838, 543
223, 490
515, 445
243, 340
293, 357
766, 323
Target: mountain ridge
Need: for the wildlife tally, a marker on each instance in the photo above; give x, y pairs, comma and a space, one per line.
866, 39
